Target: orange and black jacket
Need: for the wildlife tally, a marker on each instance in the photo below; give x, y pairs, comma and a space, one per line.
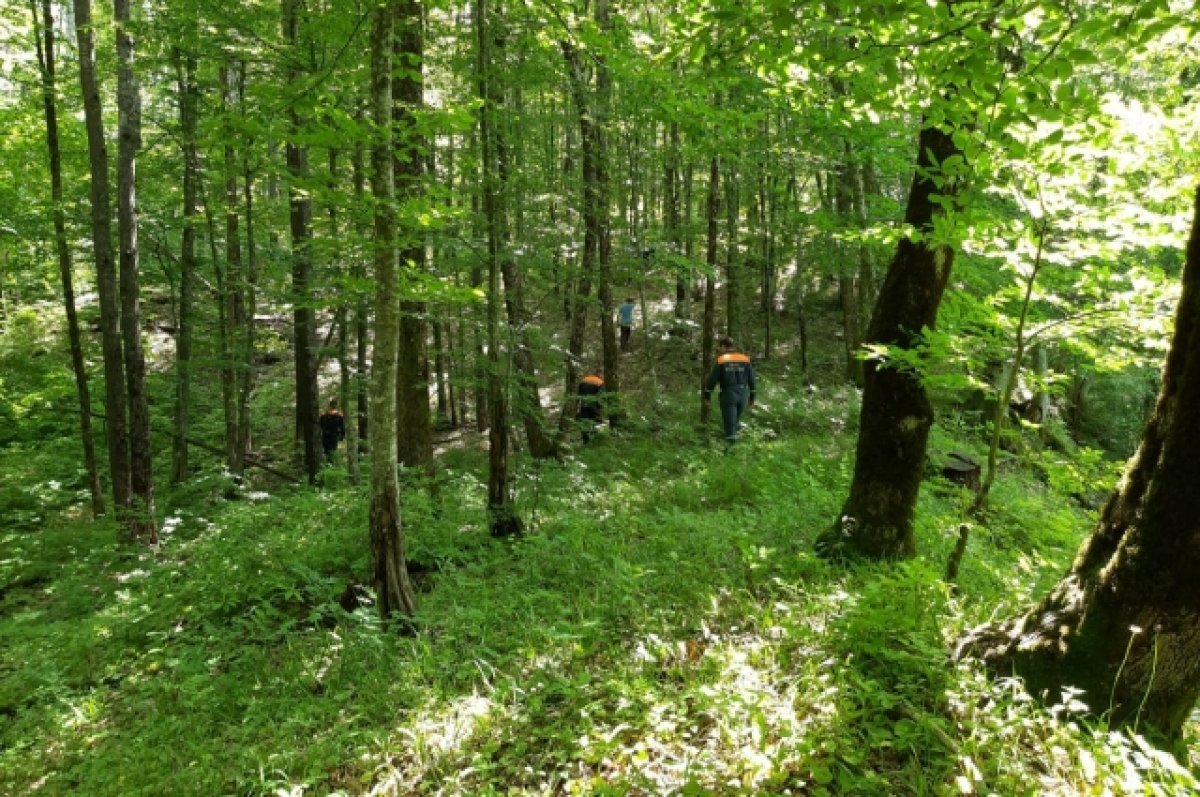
590, 388
734, 373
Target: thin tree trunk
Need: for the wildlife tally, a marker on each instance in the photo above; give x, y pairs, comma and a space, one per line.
361, 313
239, 319
604, 275
674, 223
439, 368
1011, 378
46, 59
185, 67
732, 277
502, 520
710, 294
142, 524
245, 438
393, 590
843, 189
300, 216
342, 324
592, 231
525, 389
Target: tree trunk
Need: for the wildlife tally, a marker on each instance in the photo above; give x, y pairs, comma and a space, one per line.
604, 288
300, 217
245, 438
141, 525
848, 286
502, 520
733, 287
710, 294
1124, 624
525, 389
361, 314
44, 29
439, 367
342, 325
412, 389
876, 520
592, 230
185, 67
240, 306
674, 222
393, 590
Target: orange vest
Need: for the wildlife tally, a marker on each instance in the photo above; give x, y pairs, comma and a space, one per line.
592, 379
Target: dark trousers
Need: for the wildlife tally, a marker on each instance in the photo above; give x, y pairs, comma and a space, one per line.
732, 408
330, 446
625, 333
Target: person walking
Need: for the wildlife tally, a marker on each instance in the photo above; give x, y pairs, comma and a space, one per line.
590, 410
625, 321
333, 429
734, 373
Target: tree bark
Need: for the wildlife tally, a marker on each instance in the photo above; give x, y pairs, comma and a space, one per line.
520, 321
393, 590
1124, 624
185, 67
733, 286
848, 286
412, 390
44, 29
300, 217
710, 294
604, 277
592, 231
896, 415
502, 520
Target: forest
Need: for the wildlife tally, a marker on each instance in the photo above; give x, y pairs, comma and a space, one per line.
587, 397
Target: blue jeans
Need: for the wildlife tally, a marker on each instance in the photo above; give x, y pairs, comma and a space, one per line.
732, 408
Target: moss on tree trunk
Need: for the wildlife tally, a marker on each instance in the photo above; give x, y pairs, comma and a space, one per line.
1124, 624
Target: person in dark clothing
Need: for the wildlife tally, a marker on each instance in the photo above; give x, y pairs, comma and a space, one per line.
734, 373
625, 321
590, 410
333, 429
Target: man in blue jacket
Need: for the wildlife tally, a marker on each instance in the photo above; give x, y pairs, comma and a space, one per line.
625, 322
734, 373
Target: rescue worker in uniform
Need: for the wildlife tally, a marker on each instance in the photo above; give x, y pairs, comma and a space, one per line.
333, 429
734, 373
589, 410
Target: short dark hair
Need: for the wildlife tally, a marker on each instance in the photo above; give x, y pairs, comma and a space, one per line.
629, 299
726, 342
333, 402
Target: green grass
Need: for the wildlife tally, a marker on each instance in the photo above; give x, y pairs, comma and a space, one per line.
664, 629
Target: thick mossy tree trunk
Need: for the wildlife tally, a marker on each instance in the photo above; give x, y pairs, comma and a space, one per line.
877, 518
141, 524
412, 389
300, 216
393, 590
44, 27
1124, 624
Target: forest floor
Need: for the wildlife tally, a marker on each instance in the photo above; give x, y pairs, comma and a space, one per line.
662, 628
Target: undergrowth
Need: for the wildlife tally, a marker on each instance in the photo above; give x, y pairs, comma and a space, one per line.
663, 629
